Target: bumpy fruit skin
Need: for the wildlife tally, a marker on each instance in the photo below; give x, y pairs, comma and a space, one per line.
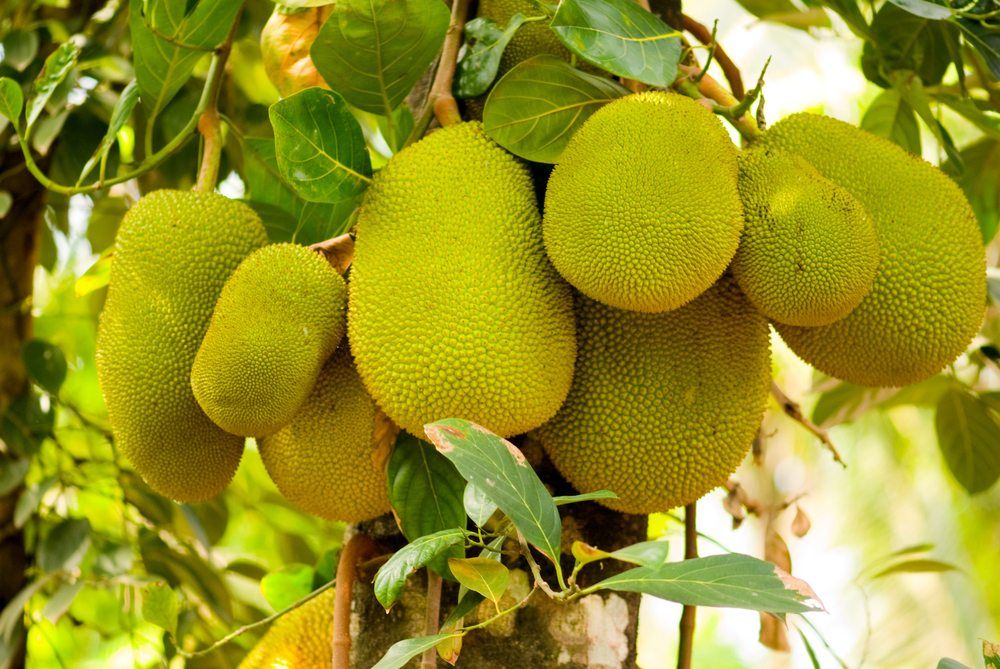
173, 253
285, 42
278, 319
454, 310
663, 406
643, 211
929, 296
531, 39
325, 461
809, 250
298, 640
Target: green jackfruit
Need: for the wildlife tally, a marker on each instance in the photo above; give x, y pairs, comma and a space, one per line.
298, 640
325, 461
809, 250
663, 406
278, 319
930, 288
643, 211
454, 310
531, 39
173, 253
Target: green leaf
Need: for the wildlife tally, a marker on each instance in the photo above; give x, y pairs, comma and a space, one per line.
562, 500
902, 41
11, 101
892, 117
483, 575
733, 580
12, 473
499, 469
968, 433
168, 42
425, 489
620, 37
57, 66
319, 145
187, 570
65, 545
287, 585
45, 363
20, 48
391, 577
6, 200
912, 90
948, 663
536, 107
985, 39
480, 61
813, 660
918, 566
991, 654
925, 9
478, 505
403, 651
29, 500
61, 600
160, 606
13, 612
645, 554
119, 117
977, 176
373, 51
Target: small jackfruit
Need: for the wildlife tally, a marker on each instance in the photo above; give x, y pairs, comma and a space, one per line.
173, 253
325, 461
663, 406
929, 295
531, 39
642, 212
300, 639
809, 250
454, 310
278, 319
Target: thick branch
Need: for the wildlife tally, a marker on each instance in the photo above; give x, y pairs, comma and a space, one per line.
685, 646
209, 124
359, 548
704, 35
794, 411
442, 101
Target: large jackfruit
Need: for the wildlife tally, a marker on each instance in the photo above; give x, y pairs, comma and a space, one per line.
278, 319
326, 461
643, 211
298, 640
809, 250
929, 295
663, 406
454, 310
173, 253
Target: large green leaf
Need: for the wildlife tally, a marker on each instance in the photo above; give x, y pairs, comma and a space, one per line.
45, 363
978, 178
969, 437
391, 577
321, 150
500, 471
403, 651
733, 580
168, 42
373, 51
535, 108
620, 37
425, 489
903, 41
892, 117
65, 545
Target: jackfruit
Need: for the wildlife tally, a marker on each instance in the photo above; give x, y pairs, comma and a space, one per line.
809, 250
663, 406
929, 295
531, 39
642, 212
173, 253
300, 639
453, 308
278, 319
325, 461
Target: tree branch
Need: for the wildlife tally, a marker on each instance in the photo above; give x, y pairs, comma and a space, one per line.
209, 124
794, 411
685, 646
339, 251
358, 548
704, 35
432, 619
441, 99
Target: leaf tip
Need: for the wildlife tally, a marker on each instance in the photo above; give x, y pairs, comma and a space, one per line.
809, 596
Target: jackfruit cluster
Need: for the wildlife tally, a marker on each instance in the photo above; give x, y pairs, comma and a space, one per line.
278, 319
300, 639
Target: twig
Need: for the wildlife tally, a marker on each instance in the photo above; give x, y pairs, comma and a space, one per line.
685, 646
432, 619
359, 548
704, 35
254, 625
708, 87
794, 411
442, 101
535, 570
339, 251
208, 123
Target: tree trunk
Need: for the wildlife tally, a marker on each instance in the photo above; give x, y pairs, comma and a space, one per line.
19, 236
595, 632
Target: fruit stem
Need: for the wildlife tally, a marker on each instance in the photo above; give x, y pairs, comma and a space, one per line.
358, 548
704, 35
685, 646
432, 618
708, 87
441, 98
209, 124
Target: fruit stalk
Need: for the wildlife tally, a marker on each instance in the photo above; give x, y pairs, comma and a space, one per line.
685, 645
209, 124
442, 101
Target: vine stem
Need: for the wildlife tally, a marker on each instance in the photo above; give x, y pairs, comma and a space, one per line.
441, 99
794, 411
359, 548
209, 124
685, 646
432, 618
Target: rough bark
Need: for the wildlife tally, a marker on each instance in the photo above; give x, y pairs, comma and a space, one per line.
19, 241
596, 632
